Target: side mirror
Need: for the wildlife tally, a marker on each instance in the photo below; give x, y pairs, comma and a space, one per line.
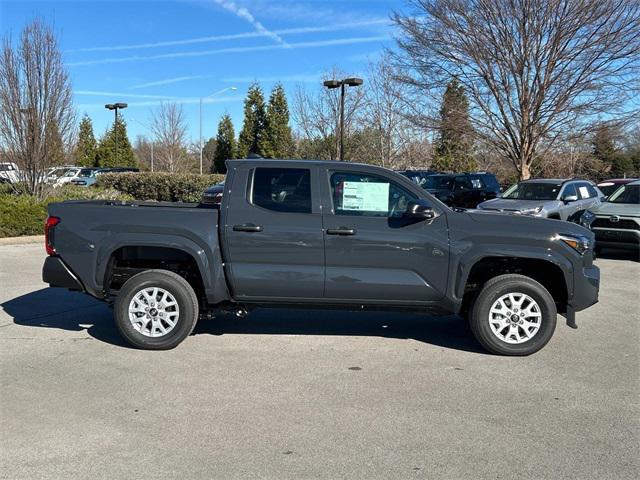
570, 198
420, 210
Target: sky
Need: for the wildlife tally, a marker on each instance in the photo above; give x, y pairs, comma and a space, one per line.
146, 52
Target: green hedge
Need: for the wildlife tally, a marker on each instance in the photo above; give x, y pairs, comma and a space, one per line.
25, 214
167, 187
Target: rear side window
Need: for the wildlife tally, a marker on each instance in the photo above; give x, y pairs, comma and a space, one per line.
282, 189
476, 182
491, 182
586, 190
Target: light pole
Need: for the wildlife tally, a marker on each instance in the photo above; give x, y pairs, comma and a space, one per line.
201, 99
331, 84
116, 107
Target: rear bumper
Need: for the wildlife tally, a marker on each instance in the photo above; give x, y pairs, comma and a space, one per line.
57, 274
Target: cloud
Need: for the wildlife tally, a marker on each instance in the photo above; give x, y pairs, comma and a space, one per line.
237, 36
168, 81
243, 13
259, 48
183, 101
94, 93
298, 77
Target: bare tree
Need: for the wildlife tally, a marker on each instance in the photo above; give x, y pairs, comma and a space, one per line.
36, 105
530, 67
169, 128
317, 114
384, 110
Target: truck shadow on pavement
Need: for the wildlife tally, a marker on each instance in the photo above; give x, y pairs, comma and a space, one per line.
72, 311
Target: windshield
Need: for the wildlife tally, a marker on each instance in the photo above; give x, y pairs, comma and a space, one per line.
71, 173
533, 191
439, 182
86, 172
626, 194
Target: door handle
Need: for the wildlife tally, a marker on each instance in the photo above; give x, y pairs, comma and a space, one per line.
341, 231
247, 227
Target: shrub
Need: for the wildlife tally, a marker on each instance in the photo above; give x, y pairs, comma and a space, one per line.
25, 214
162, 187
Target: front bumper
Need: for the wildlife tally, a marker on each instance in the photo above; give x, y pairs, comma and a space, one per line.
586, 287
56, 273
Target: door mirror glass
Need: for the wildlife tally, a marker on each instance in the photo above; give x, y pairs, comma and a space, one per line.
420, 209
570, 198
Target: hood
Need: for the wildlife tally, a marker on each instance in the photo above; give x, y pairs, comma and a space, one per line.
513, 205
534, 227
622, 209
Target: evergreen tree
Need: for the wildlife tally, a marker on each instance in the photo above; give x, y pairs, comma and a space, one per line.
605, 150
455, 140
250, 139
86, 146
277, 141
107, 156
209, 154
225, 145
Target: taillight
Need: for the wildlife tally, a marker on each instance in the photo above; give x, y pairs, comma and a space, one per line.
48, 234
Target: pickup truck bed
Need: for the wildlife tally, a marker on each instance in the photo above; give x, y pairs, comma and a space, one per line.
321, 234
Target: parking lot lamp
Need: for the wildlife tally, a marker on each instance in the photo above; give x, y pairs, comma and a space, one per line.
331, 84
115, 107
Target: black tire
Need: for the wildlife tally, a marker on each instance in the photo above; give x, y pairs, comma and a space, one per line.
490, 293
176, 286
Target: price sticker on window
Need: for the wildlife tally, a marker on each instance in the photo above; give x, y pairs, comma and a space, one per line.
365, 196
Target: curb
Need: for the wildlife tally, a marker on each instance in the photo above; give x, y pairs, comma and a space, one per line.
27, 239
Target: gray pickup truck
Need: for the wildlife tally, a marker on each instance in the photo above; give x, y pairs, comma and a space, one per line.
318, 234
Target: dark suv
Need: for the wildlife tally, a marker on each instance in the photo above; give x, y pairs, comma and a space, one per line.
465, 190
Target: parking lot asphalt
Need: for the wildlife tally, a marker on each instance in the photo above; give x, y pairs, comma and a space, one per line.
299, 394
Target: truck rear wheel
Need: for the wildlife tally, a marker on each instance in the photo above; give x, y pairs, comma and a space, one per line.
513, 315
156, 310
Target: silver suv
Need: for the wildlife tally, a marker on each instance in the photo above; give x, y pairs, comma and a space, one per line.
547, 198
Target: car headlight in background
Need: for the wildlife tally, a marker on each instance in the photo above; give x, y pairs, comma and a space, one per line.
586, 219
531, 211
580, 243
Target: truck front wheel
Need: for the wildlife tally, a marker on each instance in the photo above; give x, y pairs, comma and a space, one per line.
513, 315
156, 310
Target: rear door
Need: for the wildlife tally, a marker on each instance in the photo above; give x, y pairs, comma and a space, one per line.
373, 254
273, 239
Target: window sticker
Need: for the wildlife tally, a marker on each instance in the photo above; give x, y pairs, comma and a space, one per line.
364, 196
584, 193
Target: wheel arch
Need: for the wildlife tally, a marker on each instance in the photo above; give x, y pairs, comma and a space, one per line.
555, 274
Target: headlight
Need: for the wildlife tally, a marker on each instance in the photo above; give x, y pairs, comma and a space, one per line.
580, 243
531, 211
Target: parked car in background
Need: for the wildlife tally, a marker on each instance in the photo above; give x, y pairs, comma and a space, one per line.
616, 221
67, 176
548, 198
463, 190
418, 176
86, 177
54, 173
9, 172
213, 194
89, 176
607, 187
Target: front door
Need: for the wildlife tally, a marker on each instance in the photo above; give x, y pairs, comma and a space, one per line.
274, 246
373, 254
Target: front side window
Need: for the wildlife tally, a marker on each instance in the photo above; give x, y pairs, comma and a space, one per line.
570, 191
282, 189
368, 195
584, 190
